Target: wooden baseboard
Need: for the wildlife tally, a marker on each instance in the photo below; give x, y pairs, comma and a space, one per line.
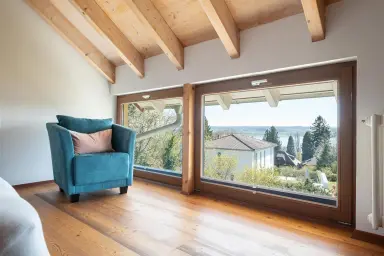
368, 237
156, 177
32, 184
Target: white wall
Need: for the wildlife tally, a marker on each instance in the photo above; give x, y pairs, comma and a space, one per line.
41, 75
264, 158
354, 30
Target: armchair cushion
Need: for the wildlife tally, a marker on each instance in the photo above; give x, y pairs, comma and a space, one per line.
97, 142
84, 125
100, 167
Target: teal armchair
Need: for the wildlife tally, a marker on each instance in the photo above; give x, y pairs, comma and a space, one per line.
79, 173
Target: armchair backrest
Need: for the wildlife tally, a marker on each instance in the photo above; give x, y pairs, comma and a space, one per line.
84, 125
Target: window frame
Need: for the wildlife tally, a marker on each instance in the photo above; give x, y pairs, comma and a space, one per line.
146, 173
344, 211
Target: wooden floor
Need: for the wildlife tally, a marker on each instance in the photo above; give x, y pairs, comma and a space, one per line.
156, 220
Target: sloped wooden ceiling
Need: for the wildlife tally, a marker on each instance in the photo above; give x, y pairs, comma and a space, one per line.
130, 25
119, 32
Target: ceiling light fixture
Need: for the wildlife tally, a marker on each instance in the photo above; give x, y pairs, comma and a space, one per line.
258, 82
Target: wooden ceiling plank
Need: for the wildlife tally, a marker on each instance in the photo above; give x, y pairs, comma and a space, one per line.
70, 33
224, 24
147, 13
314, 11
102, 23
133, 29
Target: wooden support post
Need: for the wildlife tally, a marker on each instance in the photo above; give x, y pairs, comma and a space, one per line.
125, 114
188, 185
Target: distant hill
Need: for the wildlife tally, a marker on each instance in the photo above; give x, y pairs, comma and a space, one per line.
258, 131
261, 129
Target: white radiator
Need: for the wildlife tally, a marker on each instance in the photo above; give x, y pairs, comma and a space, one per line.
376, 218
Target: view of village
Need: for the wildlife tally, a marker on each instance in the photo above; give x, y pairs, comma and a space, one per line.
293, 158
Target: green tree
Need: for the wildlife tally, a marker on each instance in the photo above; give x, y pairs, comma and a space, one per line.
291, 147
321, 132
325, 158
208, 133
143, 121
307, 147
150, 151
271, 135
334, 153
221, 167
170, 157
297, 142
266, 136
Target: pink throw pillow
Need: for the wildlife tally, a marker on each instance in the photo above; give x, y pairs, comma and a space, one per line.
97, 142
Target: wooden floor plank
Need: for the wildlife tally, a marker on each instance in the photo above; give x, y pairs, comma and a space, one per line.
74, 234
157, 220
131, 230
267, 218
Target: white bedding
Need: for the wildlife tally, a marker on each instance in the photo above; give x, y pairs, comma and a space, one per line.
21, 231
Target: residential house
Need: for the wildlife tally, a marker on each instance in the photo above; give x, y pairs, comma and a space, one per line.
248, 151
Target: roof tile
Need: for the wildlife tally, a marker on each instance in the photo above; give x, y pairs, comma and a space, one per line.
239, 142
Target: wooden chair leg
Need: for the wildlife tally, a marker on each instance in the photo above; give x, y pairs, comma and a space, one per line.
124, 190
74, 198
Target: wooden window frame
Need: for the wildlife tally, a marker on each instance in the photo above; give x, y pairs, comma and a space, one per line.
138, 97
345, 74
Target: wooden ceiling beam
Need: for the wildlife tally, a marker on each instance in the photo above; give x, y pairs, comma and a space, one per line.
335, 90
314, 11
224, 24
155, 24
105, 26
272, 96
137, 105
224, 100
70, 33
158, 106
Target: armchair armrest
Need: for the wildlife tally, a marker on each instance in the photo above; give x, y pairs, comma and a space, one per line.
124, 140
62, 153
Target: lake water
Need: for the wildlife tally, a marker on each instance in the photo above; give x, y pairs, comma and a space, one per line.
258, 132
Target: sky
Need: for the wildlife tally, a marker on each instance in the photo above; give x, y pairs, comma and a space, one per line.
300, 112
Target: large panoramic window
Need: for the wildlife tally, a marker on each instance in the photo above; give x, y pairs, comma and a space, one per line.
282, 139
158, 124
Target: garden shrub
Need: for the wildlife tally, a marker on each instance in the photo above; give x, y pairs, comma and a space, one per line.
334, 167
329, 173
289, 171
270, 178
222, 167
313, 176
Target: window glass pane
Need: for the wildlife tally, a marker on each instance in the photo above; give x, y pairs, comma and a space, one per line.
158, 125
282, 139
